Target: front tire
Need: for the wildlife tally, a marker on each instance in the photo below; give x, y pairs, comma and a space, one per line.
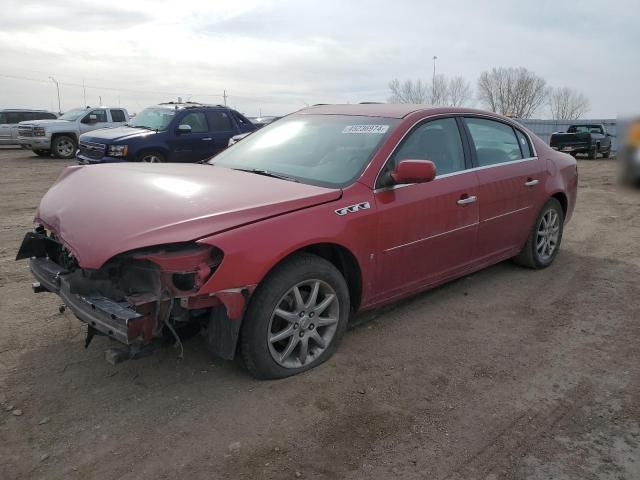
544, 239
152, 157
593, 153
295, 319
64, 147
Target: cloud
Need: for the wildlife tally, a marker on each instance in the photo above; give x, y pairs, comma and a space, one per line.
278, 56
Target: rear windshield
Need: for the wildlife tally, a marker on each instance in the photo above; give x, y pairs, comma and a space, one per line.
323, 150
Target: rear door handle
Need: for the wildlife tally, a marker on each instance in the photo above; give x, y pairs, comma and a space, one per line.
531, 182
208, 139
466, 200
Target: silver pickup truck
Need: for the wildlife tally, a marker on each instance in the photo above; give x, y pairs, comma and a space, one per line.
60, 137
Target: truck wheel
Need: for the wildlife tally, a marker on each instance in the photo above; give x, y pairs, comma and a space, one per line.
593, 153
42, 153
152, 157
544, 239
64, 147
606, 154
295, 319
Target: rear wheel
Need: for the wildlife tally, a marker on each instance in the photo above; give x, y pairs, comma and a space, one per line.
64, 147
152, 157
544, 240
296, 318
42, 153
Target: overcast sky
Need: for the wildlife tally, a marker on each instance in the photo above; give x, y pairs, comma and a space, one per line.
276, 56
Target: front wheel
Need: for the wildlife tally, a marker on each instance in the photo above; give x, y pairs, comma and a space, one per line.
544, 240
606, 154
64, 147
593, 153
296, 318
152, 157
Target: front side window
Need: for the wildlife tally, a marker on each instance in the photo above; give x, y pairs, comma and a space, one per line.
153, 118
118, 116
101, 116
324, 150
495, 142
197, 121
438, 141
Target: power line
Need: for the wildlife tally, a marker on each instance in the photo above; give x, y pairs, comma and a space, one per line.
114, 89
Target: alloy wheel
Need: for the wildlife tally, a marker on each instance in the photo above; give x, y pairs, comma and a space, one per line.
303, 323
547, 234
65, 148
151, 159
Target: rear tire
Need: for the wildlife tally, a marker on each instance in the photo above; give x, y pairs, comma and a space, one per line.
288, 329
64, 147
42, 153
544, 239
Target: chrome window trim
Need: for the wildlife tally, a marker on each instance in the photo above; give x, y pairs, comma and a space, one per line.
467, 170
511, 123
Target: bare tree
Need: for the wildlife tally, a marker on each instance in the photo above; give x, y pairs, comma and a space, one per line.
442, 92
459, 92
516, 92
439, 91
567, 104
408, 91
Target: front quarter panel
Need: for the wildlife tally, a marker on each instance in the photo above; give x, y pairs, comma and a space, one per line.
251, 251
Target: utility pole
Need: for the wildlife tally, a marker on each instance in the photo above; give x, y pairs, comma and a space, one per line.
84, 93
224, 96
58, 89
433, 82
100, 102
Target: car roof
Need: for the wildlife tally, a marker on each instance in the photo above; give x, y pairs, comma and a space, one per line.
23, 110
389, 110
184, 105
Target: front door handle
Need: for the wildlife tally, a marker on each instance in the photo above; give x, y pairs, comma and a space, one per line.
208, 139
466, 200
531, 182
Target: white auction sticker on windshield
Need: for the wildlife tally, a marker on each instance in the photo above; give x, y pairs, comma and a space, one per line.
380, 129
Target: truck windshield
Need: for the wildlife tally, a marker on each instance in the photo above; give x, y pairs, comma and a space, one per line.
324, 150
73, 114
153, 118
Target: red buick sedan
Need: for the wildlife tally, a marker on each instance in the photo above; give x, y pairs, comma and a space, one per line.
269, 248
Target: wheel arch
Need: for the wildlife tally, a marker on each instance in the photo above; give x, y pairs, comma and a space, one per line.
340, 257
73, 135
153, 148
563, 200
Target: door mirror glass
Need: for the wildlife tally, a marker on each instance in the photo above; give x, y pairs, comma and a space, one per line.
414, 171
184, 129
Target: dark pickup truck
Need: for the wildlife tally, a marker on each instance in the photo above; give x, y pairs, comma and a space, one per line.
589, 139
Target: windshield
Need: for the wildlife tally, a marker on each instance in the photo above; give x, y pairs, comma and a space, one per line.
324, 150
155, 118
72, 115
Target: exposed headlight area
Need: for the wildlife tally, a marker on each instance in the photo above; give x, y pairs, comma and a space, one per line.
117, 150
38, 132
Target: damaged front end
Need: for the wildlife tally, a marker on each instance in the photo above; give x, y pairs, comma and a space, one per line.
140, 298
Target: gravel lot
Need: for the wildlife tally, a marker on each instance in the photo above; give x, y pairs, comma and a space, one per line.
507, 373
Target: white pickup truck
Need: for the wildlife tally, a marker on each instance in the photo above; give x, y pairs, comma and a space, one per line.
60, 137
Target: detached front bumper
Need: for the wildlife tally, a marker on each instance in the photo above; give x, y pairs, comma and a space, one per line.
116, 320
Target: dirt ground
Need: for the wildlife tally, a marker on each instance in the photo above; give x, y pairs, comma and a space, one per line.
507, 373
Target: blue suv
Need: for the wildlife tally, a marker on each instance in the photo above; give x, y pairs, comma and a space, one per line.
168, 132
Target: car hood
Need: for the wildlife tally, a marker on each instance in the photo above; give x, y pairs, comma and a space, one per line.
100, 211
116, 134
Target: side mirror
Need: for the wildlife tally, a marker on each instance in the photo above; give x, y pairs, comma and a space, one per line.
414, 171
183, 129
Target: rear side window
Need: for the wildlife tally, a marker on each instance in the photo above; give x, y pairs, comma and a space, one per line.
14, 117
495, 142
197, 121
438, 141
220, 121
118, 116
524, 144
